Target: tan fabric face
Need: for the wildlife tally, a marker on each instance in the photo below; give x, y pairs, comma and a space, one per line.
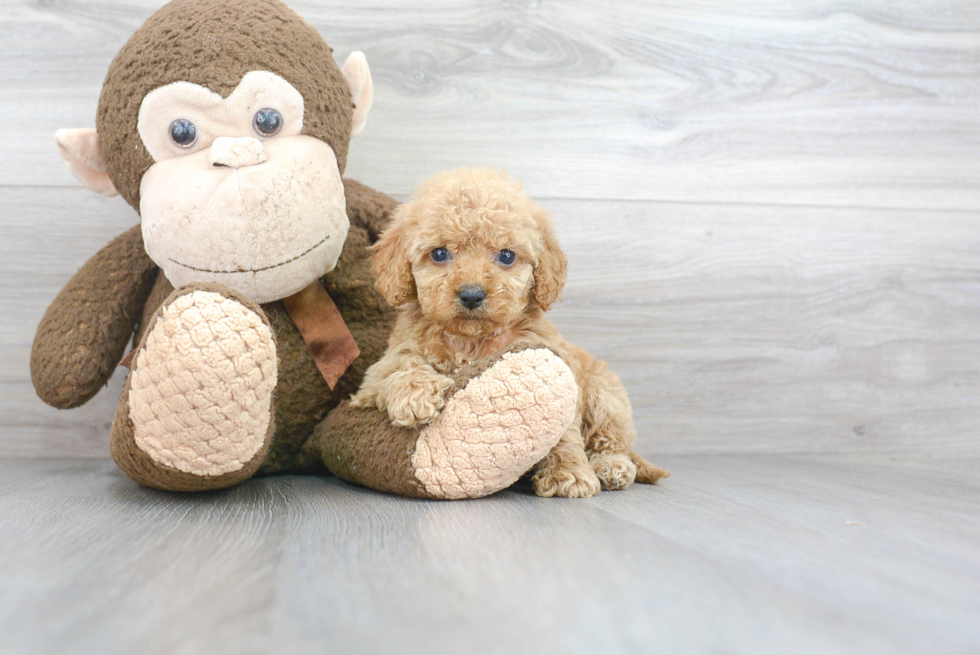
266, 230
214, 116
237, 153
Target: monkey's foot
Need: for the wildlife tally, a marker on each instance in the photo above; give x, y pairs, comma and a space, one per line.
502, 417
196, 412
497, 427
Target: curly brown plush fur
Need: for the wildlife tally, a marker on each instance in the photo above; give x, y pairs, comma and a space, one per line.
468, 218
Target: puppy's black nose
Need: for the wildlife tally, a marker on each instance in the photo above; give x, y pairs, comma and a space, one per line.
472, 296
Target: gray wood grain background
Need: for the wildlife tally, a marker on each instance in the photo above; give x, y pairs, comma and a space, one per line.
771, 209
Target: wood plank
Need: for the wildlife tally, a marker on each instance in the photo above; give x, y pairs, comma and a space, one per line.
735, 328
869, 103
779, 329
733, 554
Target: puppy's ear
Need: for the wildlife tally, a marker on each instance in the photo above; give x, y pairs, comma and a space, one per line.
549, 274
390, 263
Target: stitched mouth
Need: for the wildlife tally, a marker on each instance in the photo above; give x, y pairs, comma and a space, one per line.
254, 270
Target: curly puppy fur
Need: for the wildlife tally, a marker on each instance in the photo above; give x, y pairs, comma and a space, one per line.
472, 216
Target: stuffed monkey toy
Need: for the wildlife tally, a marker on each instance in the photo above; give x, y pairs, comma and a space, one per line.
246, 289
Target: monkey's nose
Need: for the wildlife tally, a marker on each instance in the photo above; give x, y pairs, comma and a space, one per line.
472, 296
237, 153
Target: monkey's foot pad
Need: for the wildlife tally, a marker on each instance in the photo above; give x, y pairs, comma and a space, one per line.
201, 389
497, 427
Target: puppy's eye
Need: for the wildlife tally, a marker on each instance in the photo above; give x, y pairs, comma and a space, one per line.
440, 255
506, 257
267, 122
183, 132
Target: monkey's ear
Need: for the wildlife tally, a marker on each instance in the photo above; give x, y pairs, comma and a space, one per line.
81, 151
358, 76
390, 264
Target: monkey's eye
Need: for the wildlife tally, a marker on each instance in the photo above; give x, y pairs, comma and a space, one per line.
183, 133
440, 255
267, 122
506, 257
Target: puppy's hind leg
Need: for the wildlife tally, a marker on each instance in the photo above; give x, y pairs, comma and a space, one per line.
566, 470
646, 472
610, 435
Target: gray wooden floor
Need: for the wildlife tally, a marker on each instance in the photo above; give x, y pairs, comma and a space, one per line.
735, 554
772, 216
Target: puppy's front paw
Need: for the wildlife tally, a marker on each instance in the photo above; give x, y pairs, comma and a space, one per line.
615, 471
363, 400
566, 481
416, 397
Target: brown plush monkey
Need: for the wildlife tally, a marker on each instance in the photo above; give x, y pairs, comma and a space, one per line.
246, 289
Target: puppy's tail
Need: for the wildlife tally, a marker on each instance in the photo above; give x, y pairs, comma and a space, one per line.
646, 472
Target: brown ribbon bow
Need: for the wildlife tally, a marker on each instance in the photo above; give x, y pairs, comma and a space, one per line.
324, 331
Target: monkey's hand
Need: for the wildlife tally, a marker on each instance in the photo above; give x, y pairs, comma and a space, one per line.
84, 332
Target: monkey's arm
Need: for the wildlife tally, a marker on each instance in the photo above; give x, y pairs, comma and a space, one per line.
368, 208
84, 332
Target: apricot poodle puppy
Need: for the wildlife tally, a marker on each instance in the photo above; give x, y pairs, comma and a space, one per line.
473, 264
